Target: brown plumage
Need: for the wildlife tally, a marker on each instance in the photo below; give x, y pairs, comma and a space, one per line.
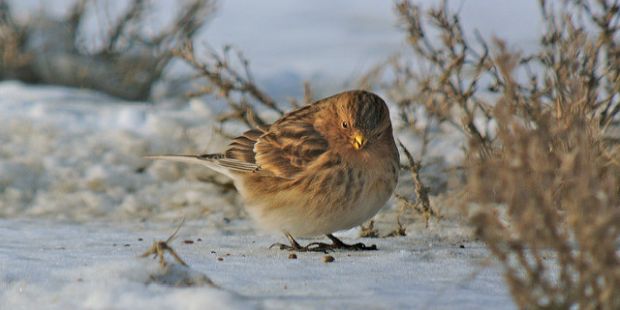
324, 167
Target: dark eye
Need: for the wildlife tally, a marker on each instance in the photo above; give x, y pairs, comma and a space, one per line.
345, 125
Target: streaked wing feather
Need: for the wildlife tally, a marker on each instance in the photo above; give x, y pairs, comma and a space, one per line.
290, 145
286, 149
242, 147
238, 165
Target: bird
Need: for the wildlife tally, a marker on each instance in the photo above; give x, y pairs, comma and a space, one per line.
325, 167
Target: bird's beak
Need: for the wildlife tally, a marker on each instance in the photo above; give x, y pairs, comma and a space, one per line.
358, 141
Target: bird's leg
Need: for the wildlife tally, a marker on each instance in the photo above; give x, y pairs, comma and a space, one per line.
293, 247
293, 242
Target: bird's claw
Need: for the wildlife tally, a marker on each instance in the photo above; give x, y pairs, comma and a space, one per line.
308, 248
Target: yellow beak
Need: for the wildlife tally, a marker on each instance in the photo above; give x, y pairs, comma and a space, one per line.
358, 141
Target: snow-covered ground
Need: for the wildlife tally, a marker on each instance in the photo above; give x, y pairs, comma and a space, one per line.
78, 203
76, 197
56, 265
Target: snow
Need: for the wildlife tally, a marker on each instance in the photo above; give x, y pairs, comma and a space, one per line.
58, 265
76, 156
79, 204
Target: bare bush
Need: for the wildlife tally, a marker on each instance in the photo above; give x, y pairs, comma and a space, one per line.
542, 174
44, 50
453, 80
547, 203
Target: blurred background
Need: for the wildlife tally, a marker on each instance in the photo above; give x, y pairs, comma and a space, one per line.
330, 44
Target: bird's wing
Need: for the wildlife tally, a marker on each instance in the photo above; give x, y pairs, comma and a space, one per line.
285, 149
290, 145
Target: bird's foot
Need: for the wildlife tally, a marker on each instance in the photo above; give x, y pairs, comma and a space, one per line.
324, 247
312, 247
336, 244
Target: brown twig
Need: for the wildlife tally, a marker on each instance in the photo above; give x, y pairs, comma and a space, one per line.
159, 249
420, 190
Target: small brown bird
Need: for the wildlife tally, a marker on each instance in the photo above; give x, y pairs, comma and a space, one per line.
325, 167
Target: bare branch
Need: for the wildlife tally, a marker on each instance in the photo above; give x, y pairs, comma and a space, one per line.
133, 13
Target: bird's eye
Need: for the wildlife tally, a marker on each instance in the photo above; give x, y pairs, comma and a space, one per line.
345, 125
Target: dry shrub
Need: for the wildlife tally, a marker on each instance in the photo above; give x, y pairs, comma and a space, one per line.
452, 81
547, 198
542, 170
435, 84
227, 76
547, 204
127, 65
13, 63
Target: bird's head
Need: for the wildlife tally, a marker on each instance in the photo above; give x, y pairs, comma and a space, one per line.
355, 120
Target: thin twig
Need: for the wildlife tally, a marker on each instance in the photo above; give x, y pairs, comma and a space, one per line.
420, 189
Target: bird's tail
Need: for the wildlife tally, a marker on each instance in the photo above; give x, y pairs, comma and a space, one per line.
217, 162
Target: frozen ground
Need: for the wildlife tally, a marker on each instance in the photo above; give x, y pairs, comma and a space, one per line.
57, 265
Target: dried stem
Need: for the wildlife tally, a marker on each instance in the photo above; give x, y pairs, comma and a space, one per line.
159, 249
420, 190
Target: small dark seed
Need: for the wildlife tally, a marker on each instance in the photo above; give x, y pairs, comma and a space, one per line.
220, 259
188, 241
328, 259
292, 256
199, 240
126, 244
461, 246
140, 239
